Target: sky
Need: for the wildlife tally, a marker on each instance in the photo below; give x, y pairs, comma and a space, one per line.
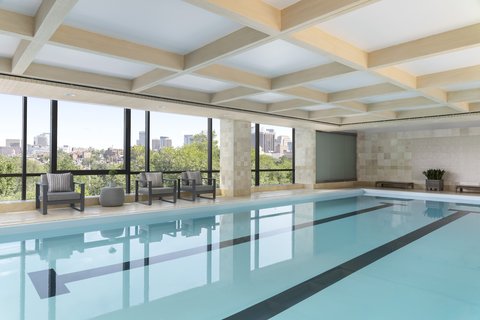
88, 125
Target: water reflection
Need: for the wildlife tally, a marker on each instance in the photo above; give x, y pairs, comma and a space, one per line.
435, 210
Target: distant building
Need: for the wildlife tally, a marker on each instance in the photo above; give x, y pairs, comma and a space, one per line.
155, 144
283, 144
141, 139
267, 140
13, 143
42, 140
165, 142
187, 139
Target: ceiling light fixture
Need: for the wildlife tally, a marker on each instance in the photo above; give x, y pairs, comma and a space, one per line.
70, 94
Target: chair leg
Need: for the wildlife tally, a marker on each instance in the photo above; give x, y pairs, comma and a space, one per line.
82, 204
44, 207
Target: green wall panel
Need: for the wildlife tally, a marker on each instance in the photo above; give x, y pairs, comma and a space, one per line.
336, 157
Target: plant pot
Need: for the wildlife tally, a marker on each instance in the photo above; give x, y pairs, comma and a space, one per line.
434, 185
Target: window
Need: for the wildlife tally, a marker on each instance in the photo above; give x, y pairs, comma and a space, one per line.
275, 154
38, 140
10, 147
90, 137
178, 143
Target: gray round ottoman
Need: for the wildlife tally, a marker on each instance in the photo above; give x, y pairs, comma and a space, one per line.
112, 196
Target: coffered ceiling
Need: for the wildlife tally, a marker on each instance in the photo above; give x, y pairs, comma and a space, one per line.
334, 62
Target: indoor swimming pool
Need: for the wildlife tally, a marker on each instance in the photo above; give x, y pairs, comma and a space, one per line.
359, 257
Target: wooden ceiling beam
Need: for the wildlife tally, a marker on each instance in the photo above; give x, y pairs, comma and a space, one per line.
255, 14
436, 44
402, 104
233, 94
309, 75
237, 76
48, 19
462, 75
329, 113
288, 105
310, 12
464, 95
363, 92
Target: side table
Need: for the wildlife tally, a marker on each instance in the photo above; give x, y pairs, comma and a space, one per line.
112, 196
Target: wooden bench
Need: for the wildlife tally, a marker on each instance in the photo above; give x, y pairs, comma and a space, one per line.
394, 184
460, 187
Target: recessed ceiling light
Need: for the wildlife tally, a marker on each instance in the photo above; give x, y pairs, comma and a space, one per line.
70, 95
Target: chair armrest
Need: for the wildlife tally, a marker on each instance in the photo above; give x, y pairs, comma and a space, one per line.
210, 180
82, 186
189, 180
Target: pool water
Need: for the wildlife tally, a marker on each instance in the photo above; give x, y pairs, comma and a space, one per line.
353, 258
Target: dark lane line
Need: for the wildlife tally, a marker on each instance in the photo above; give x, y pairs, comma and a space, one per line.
49, 284
290, 297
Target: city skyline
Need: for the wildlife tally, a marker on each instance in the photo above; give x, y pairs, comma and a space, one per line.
78, 128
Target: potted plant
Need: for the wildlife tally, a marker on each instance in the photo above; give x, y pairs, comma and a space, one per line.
111, 178
434, 179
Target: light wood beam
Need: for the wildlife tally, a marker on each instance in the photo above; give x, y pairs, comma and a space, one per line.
294, 113
439, 43
475, 107
426, 112
180, 94
49, 17
240, 77
402, 104
237, 41
93, 80
233, 94
309, 12
329, 113
361, 119
150, 79
363, 92
5, 65
247, 105
352, 106
306, 94
16, 24
253, 13
409, 82
126, 50
390, 115
309, 75
335, 48
462, 75
464, 95
288, 105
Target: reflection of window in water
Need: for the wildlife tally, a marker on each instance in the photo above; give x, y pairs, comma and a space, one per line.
435, 209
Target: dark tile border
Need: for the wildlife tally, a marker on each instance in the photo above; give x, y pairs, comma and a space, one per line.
290, 297
50, 284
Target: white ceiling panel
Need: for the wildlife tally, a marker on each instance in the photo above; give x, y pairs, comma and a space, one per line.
198, 83
269, 97
317, 107
390, 22
346, 81
276, 58
8, 45
390, 96
28, 7
453, 60
89, 62
171, 25
280, 4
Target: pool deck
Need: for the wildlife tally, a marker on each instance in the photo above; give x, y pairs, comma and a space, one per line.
62, 214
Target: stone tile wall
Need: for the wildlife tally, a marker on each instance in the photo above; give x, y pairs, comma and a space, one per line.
305, 157
235, 162
404, 155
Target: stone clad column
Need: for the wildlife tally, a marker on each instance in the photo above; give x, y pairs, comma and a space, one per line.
305, 157
235, 162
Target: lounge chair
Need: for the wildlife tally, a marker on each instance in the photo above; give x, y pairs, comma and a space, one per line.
58, 188
153, 184
193, 183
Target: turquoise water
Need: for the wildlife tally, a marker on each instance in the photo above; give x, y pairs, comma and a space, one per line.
215, 266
